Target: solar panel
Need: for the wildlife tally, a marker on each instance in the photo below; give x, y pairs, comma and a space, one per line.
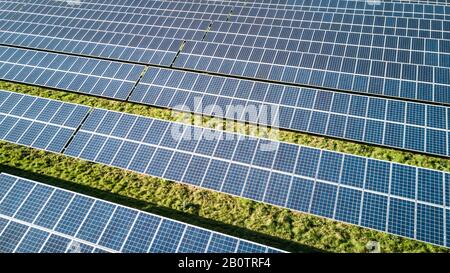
416, 9
35, 217
145, 32
396, 49
379, 121
347, 188
336, 21
84, 75
393, 123
333, 72
350, 53
37, 122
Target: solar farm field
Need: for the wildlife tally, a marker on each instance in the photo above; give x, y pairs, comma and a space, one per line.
224, 126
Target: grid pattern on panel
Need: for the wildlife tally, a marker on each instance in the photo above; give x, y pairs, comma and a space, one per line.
153, 34
347, 188
71, 222
387, 122
78, 74
37, 122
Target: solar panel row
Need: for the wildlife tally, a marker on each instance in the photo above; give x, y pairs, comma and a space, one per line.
413, 68
416, 9
395, 48
311, 52
376, 77
411, 8
79, 74
340, 22
39, 218
347, 188
344, 187
393, 123
358, 46
104, 31
39, 123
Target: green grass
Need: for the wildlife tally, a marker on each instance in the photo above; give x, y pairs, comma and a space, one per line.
240, 217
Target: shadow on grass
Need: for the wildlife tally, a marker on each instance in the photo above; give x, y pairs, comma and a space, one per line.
163, 211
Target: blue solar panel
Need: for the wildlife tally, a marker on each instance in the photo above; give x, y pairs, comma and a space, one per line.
403, 181
154, 35
55, 244
374, 210
330, 167
323, 200
78, 74
141, 236
33, 241
36, 198
277, 173
233, 182
256, 184
95, 222
12, 202
71, 222
74, 215
387, 122
430, 224
282, 178
348, 207
169, 237
222, 244
196, 240
115, 234
430, 186
377, 176
353, 46
37, 122
54, 209
300, 194
392, 49
277, 189
401, 217
11, 236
